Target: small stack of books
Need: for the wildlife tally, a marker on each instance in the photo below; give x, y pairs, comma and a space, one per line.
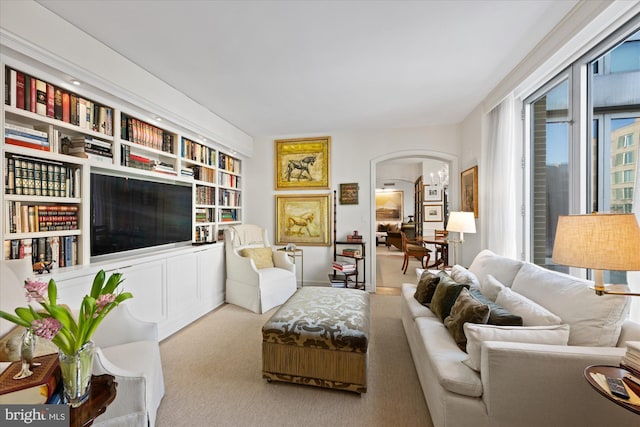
35, 389
343, 267
350, 252
631, 359
26, 137
88, 148
354, 238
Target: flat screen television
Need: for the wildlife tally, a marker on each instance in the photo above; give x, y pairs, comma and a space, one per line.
129, 214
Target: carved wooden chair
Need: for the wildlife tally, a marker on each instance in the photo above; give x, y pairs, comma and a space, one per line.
414, 248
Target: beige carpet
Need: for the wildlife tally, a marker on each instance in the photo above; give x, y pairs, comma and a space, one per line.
212, 373
388, 268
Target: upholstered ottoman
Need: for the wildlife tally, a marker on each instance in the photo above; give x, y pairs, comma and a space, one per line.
319, 337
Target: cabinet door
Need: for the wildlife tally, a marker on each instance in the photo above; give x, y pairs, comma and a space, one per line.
211, 276
182, 283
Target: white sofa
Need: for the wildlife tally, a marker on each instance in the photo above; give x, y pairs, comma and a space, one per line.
523, 384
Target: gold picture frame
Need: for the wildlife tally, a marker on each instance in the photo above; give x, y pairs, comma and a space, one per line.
469, 190
389, 205
303, 219
302, 163
349, 193
432, 213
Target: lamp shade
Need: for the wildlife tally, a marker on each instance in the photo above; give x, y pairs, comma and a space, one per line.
598, 241
462, 222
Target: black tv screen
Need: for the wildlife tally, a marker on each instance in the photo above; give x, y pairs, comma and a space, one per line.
128, 214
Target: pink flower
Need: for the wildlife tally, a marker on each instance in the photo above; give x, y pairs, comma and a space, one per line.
46, 328
35, 290
102, 301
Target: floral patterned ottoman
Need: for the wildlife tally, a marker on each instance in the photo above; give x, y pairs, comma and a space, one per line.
319, 337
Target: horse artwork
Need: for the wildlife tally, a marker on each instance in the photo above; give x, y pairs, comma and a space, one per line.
302, 219
301, 165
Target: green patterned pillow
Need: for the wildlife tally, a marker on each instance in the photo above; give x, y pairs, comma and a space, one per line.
426, 287
445, 295
262, 257
465, 309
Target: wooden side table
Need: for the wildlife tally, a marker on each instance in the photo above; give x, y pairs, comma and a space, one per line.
609, 371
103, 392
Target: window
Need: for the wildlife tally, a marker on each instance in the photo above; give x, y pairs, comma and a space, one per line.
574, 174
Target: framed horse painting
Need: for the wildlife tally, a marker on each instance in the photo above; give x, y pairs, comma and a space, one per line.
302, 163
303, 219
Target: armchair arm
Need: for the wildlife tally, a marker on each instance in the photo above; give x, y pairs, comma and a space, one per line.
533, 384
241, 269
282, 260
120, 327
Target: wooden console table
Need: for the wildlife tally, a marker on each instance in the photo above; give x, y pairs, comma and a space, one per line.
103, 392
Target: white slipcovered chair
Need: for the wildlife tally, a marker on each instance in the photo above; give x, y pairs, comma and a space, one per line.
247, 285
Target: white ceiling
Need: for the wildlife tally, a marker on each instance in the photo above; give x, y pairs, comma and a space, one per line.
295, 67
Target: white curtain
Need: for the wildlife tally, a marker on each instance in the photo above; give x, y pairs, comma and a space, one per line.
633, 277
500, 212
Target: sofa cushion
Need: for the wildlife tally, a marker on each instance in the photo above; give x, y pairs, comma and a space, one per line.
415, 308
594, 320
532, 314
426, 287
466, 309
445, 295
463, 276
262, 257
446, 359
478, 334
491, 287
502, 268
498, 315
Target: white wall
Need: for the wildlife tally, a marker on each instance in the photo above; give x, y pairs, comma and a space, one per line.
351, 156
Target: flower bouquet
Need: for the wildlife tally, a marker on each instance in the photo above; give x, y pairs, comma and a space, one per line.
56, 322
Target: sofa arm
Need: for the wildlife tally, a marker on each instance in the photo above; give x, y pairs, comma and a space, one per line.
534, 385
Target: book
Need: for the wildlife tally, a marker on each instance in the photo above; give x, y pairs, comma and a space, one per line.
50, 100
41, 97
35, 389
20, 90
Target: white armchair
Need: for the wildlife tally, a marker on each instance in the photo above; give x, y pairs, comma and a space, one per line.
128, 349
256, 289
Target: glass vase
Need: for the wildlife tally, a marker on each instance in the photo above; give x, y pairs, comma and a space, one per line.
76, 374
27, 350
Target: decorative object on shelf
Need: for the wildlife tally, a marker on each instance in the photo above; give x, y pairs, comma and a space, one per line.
290, 247
462, 222
73, 338
349, 194
600, 242
302, 163
303, 219
27, 351
432, 193
389, 205
42, 266
469, 190
432, 213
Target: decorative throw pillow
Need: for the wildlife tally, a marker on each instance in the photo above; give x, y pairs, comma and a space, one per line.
445, 295
498, 315
466, 309
426, 287
383, 227
262, 257
532, 313
477, 334
463, 276
491, 287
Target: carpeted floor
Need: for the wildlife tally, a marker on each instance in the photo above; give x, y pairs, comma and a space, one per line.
388, 268
212, 373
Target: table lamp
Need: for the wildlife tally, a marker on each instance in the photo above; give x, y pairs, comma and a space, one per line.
599, 242
462, 222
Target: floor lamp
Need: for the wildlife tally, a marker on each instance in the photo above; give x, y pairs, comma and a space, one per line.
599, 242
462, 222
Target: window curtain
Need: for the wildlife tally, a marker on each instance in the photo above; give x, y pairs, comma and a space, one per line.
501, 214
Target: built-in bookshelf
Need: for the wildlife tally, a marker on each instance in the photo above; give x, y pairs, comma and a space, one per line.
56, 136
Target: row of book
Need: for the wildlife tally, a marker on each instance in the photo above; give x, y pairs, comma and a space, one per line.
197, 152
61, 250
142, 133
343, 267
228, 163
139, 161
205, 195
36, 177
205, 215
229, 197
204, 233
204, 174
229, 215
23, 218
37, 96
87, 148
23, 136
228, 180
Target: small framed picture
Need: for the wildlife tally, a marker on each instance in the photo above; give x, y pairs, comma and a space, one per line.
432, 193
432, 213
349, 194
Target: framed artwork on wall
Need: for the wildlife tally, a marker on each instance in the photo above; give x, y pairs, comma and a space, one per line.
389, 205
469, 190
303, 219
302, 163
349, 194
432, 213
432, 193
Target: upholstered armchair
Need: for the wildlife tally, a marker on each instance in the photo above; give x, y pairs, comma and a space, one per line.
258, 277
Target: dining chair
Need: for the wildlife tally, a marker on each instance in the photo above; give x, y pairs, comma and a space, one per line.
414, 248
